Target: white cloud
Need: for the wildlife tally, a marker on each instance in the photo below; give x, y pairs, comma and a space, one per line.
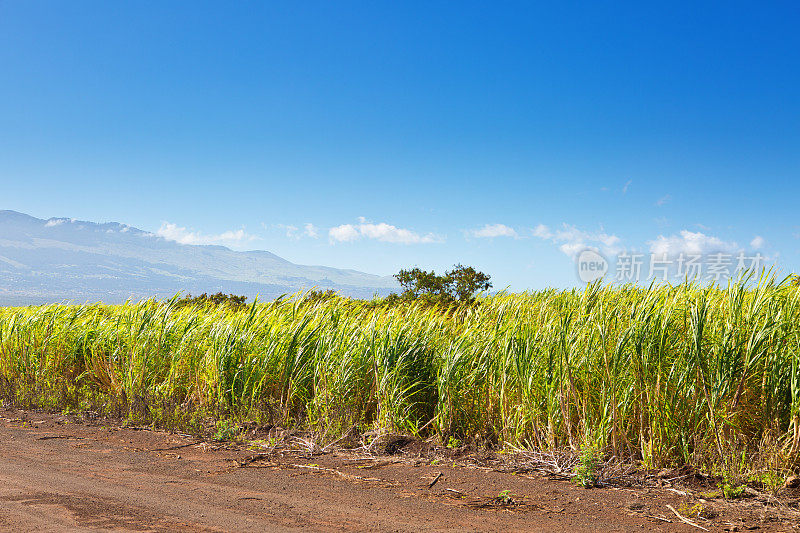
542, 231
55, 222
494, 230
388, 233
311, 230
663, 200
757, 242
625, 187
344, 233
381, 232
690, 243
572, 240
233, 238
291, 231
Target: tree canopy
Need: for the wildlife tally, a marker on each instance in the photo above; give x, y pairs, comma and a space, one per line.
457, 285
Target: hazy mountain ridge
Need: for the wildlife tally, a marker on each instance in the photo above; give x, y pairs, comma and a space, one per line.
59, 258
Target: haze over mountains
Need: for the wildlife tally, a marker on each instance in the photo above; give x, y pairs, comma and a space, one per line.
43, 261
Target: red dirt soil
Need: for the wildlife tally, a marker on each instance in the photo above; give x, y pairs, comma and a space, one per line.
61, 474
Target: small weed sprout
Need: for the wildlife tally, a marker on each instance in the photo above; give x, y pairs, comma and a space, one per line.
587, 474
731, 489
697, 510
773, 481
504, 498
226, 430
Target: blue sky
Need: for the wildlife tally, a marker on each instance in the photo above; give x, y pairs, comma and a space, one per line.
502, 135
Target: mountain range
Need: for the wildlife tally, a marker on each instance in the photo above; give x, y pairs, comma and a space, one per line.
63, 259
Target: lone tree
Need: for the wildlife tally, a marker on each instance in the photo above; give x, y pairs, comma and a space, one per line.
459, 284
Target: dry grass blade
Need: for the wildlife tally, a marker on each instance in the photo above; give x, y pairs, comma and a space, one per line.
684, 519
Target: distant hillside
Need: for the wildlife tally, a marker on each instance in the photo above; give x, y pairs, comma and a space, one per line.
59, 259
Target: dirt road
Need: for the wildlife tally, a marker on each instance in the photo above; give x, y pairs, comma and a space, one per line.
57, 474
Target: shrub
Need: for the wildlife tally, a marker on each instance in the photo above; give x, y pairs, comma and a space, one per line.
218, 299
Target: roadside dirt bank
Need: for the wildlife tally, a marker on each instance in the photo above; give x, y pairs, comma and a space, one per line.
58, 473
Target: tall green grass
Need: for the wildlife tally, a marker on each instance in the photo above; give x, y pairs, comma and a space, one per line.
664, 374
